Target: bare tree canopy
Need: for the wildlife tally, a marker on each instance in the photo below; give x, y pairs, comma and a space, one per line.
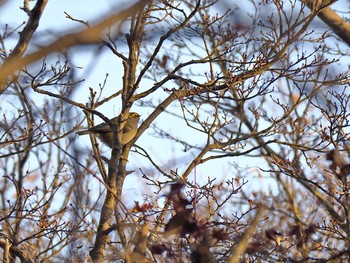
225, 125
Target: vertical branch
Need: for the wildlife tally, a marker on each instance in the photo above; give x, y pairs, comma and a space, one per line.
117, 165
134, 40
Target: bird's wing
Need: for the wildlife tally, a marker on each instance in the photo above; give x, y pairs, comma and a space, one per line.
126, 129
102, 128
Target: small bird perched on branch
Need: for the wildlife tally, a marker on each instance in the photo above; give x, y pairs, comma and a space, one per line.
105, 133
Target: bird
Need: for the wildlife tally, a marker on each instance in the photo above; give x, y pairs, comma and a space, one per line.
105, 133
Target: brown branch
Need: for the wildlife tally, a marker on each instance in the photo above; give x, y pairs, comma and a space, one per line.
238, 250
88, 36
14, 250
162, 40
28, 31
339, 26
